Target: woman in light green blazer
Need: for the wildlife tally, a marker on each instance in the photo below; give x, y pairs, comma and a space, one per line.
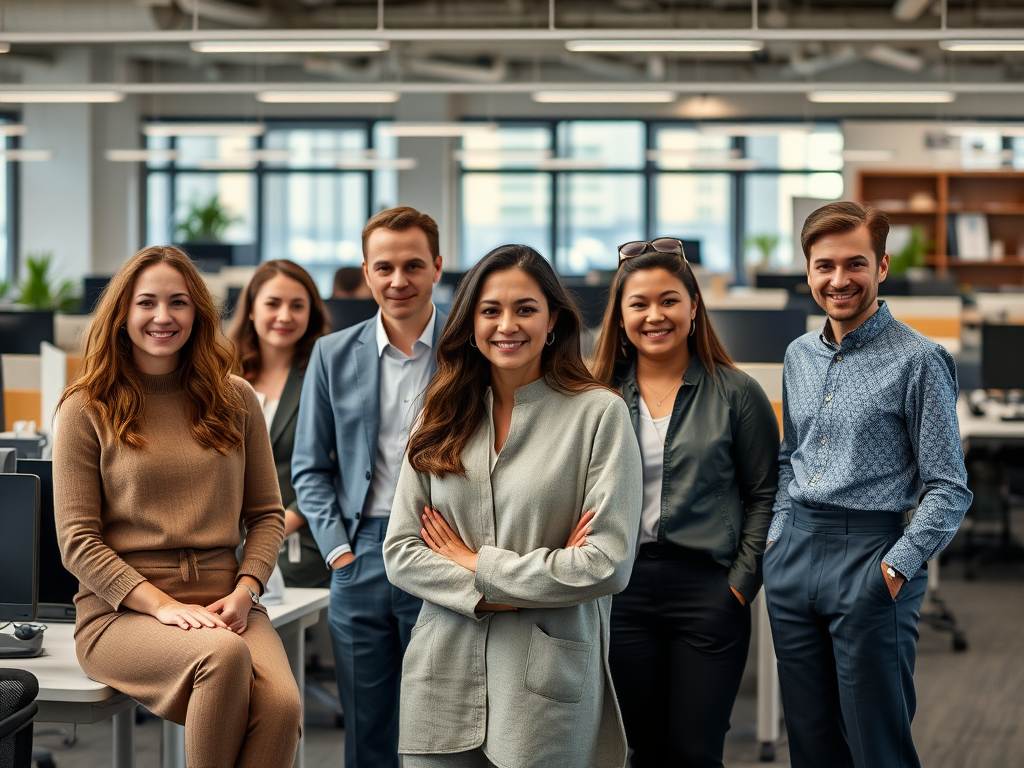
515, 520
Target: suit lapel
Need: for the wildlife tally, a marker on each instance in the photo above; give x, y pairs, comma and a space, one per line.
288, 405
368, 376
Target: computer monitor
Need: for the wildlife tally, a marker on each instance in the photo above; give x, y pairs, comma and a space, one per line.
19, 547
92, 289
23, 330
1002, 364
794, 282
348, 312
57, 587
691, 250
758, 335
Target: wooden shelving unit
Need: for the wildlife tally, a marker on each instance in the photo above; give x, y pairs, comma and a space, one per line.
927, 197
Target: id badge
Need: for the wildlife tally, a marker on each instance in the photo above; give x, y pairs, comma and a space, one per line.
294, 548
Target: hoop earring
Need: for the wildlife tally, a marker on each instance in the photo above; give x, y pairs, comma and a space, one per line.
693, 327
623, 342
472, 342
551, 339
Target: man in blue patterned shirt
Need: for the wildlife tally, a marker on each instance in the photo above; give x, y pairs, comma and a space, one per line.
869, 422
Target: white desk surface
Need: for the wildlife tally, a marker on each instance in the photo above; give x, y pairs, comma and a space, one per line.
62, 679
989, 426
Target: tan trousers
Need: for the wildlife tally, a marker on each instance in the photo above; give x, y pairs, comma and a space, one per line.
235, 694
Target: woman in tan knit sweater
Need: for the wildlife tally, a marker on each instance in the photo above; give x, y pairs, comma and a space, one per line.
160, 456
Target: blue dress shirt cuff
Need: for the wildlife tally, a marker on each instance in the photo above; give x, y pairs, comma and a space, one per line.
337, 552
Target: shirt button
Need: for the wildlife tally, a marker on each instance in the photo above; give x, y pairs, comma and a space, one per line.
367, 475
828, 399
406, 400
839, 357
823, 442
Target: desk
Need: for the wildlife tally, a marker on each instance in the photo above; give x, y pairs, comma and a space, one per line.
67, 695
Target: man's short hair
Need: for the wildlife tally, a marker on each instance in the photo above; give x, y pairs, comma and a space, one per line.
840, 218
348, 280
400, 219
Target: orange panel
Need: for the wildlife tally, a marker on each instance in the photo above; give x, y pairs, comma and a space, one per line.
777, 405
943, 327
22, 405
71, 366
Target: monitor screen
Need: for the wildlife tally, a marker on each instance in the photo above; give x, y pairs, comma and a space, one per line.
1002, 364
92, 288
19, 547
758, 335
57, 587
348, 312
23, 331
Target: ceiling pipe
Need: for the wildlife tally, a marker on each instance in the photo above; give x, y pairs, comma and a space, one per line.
226, 12
495, 72
910, 10
559, 35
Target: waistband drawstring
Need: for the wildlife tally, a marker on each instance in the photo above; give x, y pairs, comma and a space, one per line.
187, 561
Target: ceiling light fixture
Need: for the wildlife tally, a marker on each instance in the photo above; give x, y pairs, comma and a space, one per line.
12, 129
204, 129
867, 155
981, 46
751, 129
61, 97
5, 47
328, 97
429, 130
290, 46
604, 97
881, 97
664, 46
1001, 128
27, 155
141, 155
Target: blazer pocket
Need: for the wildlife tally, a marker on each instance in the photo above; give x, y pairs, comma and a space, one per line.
557, 669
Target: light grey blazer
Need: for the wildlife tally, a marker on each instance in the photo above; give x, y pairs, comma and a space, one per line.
531, 686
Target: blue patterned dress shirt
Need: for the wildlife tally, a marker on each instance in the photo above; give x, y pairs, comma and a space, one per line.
867, 424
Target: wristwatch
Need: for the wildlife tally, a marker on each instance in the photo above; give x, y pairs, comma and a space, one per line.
256, 598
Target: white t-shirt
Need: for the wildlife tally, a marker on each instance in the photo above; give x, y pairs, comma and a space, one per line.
652, 451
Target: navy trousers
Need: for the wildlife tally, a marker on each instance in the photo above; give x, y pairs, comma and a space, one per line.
370, 622
846, 648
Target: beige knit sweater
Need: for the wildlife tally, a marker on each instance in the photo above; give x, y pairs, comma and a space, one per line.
110, 498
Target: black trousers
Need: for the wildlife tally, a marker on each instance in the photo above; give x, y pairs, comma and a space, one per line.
679, 641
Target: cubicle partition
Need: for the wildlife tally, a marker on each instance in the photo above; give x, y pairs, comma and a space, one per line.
758, 335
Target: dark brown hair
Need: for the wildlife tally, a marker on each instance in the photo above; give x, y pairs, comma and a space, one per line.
110, 381
840, 218
247, 362
615, 351
403, 218
454, 400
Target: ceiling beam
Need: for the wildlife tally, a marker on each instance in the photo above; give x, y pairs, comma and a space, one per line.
910, 10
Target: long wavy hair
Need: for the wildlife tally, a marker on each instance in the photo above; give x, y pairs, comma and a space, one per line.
109, 379
615, 352
242, 333
454, 407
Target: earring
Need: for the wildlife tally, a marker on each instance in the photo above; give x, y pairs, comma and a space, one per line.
472, 342
551, 339
693, 327
623, 342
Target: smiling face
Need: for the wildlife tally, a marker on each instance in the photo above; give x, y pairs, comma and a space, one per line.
657, 313
843, 273
511, 324
401, 272
160, 319
280, 312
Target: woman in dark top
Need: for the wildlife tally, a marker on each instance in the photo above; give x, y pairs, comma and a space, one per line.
280, 315
709, 441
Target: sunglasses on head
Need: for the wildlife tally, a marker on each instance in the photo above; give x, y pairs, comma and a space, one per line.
658, 245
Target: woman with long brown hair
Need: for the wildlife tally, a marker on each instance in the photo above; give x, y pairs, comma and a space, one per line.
709, 441
279, 317
515, 520
159, 457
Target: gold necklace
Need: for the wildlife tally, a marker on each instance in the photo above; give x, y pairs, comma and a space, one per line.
658, 404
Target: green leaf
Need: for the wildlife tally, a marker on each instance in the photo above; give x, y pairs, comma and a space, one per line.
205, 222
37, 292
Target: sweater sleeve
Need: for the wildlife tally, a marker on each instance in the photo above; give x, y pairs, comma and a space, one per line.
553, 578
262, 511
77, 496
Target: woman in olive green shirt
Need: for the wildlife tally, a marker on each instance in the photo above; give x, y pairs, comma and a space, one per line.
709, 441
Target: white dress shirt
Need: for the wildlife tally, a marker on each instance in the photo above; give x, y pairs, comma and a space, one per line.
403, 380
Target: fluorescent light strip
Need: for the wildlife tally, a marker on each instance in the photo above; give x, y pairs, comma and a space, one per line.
12, 129
502, 156
981, 46
328, 97
427, 130
378, 164
5, 47
290, 46
60, 97
141, 155
881, 97
1001, 129
867, 155
604, 97
752, 129
664, 46
204, 129
27, 155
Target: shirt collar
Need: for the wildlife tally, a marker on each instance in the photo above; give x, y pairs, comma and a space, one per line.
427, 337
863, 333
694, 373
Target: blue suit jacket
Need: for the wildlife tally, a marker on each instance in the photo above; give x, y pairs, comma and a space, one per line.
336, 437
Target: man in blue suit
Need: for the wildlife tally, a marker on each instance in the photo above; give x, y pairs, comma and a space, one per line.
361, 395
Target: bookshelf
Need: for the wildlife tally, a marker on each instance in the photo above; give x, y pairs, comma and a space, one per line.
936, 199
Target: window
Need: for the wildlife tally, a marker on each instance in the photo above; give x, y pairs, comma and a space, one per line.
286, 192
576, 189
8, 248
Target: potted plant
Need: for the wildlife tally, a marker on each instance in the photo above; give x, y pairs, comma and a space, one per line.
38, 290
911, 256
764, 244
201, 235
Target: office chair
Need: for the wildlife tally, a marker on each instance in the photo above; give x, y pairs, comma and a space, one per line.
18, 691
